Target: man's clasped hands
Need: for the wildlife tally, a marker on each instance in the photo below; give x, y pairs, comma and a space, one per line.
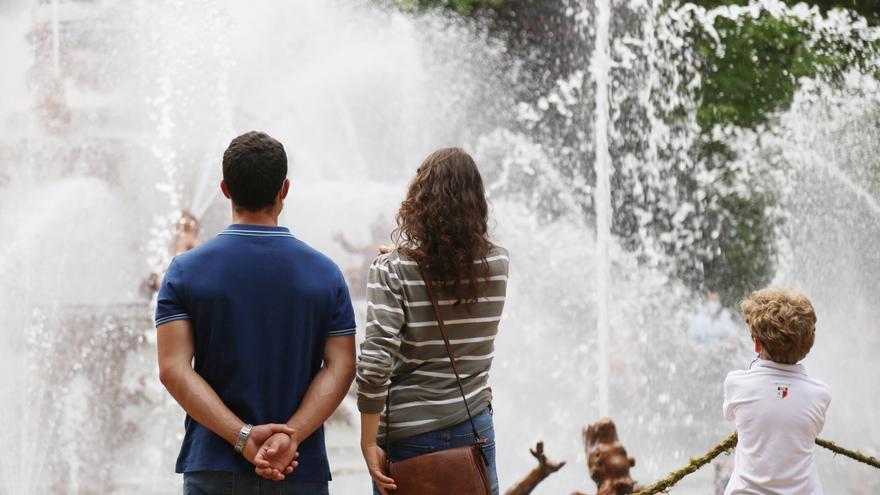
272, 449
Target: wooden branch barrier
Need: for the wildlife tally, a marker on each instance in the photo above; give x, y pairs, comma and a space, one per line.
609, 464
852, 454
674, 477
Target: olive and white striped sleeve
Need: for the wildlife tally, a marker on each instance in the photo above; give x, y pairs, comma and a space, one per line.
385, 320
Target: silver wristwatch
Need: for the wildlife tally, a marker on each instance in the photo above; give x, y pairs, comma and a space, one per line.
243, 435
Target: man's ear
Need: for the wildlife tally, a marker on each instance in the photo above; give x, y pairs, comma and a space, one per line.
285, 188
225, 189
758, 347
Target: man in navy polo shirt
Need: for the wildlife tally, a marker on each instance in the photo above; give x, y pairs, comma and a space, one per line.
270, 324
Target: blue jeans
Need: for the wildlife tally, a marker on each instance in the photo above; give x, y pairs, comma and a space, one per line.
459, 435
217, 483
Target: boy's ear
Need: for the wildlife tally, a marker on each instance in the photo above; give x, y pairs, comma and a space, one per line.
225, 189
758, 347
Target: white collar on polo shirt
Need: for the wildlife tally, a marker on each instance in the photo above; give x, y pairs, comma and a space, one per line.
790, 368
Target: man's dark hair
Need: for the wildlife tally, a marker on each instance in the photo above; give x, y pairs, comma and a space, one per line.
254, 168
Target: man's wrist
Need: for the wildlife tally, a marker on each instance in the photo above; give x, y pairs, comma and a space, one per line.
295, 436
243, 434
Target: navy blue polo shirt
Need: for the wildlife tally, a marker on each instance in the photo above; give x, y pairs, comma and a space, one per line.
262, 305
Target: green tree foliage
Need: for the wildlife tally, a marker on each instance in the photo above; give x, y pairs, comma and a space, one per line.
870, 9
750, 69
461, 6
754, 72
754, 68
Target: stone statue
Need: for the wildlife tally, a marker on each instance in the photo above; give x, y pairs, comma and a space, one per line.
607, 459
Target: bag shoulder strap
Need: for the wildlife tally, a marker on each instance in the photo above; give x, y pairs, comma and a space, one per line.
448, 346
440, 323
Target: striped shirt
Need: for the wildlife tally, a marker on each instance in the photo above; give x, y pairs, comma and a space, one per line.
404, 347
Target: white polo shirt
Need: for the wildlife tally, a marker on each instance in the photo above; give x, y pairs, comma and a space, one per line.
779, 411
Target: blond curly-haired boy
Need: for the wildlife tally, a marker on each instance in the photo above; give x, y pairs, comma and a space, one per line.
777, 408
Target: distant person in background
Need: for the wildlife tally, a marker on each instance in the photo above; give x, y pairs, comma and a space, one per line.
713, 324
357, 273
185, 238
712, 328
723, 471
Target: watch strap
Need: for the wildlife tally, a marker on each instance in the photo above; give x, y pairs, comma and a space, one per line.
243, 435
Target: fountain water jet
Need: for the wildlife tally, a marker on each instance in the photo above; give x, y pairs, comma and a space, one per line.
600, 66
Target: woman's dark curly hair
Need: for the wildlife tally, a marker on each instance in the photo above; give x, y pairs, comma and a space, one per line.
443, 224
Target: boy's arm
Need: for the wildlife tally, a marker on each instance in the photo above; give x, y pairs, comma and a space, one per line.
826, 403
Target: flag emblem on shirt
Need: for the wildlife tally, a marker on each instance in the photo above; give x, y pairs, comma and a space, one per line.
782, 391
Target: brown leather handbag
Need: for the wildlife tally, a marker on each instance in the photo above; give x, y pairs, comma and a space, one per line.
460, 470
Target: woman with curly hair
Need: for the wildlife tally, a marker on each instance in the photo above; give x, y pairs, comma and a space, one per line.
408, 395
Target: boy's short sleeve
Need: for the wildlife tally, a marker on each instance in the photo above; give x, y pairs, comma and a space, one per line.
170, 305
826, 402
728, 406
341, 322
